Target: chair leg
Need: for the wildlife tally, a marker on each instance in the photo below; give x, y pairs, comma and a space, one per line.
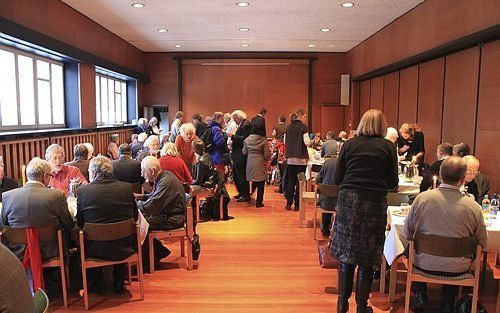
140, 275
408, 293
498, 298
183, 242
383, 269
190, 260
392, 280
475, 295
302, 212
151, 254
198, 203
129, 266
63, 284
85, 289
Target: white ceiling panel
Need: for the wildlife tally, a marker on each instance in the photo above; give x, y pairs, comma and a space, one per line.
212, 25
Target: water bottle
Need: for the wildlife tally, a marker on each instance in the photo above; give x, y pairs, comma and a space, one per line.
495, 203
485, 204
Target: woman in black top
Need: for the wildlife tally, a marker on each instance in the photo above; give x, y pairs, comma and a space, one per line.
366, 170
411, 142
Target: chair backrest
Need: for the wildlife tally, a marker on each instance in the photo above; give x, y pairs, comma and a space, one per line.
331, 191
397, 198
18, 235
23, 174
109, 231
316, 168
445, 246
40, 302
301, 177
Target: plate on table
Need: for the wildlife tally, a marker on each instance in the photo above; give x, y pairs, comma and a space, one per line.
400, 213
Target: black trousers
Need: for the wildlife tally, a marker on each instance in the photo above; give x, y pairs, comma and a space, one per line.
449, 292
240, 179
96, 277
259, 185
292, 184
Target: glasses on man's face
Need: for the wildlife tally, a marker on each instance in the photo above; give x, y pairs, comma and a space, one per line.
472, 172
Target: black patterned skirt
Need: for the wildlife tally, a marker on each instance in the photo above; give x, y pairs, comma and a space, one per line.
359, 229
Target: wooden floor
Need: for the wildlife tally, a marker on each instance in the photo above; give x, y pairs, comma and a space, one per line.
258, 262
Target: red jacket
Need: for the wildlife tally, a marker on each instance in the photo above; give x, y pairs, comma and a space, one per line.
177, 166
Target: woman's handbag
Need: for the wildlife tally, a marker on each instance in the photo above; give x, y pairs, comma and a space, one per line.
464, 305
326, 259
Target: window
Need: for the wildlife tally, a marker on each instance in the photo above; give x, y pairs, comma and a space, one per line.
31, 91
111, 100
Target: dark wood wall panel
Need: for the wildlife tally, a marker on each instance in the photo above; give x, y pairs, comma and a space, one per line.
408, 95
377, 93
430, 104
332, 118
364, 97
391, 98
488, 126
460, 96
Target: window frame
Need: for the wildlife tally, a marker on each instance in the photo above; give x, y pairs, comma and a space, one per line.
35, 58
123, 95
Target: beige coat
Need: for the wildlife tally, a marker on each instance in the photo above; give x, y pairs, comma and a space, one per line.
257, 149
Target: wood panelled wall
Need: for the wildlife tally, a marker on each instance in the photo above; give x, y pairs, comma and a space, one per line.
19, 152
454, 98
163, 70
408, 35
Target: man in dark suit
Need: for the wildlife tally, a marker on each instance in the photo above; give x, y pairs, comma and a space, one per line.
106, 200
6, 183
259, 123
327, 176
126, 169
239, 159
136, 147
477, 184
80, 159
444, 151
35, 205
199, 125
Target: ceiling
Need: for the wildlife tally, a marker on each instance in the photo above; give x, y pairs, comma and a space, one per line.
213, 25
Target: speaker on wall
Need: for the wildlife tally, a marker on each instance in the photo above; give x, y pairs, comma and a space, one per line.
345, 82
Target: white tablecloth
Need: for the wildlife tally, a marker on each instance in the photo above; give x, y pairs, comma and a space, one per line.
395, 242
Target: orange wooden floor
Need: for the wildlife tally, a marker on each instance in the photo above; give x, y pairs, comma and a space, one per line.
258, 262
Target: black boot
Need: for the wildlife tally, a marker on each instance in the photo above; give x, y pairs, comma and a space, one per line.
363, 288
346, 276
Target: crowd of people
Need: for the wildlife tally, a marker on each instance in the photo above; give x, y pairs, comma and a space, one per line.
207, 152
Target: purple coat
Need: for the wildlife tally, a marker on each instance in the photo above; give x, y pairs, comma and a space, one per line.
220, 153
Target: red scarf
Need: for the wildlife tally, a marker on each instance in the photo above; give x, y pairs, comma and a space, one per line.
33, 257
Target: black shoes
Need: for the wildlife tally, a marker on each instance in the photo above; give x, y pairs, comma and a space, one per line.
363, 287
237, 196
447, 306
419, 302
259, 205
243, 199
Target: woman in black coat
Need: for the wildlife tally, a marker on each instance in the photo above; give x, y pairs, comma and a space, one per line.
366, 170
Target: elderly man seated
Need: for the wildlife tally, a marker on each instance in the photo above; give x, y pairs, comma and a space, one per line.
165, 207
443, 151
35, 205
137, 146
151, 147
327, 176
445, 212
477, 184
106, 200
62, 174
329, 145
6, 183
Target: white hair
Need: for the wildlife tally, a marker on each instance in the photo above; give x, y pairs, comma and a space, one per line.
239, 114
169, 148
151, 139
37, 168
142, 137
150, 162
470, 159
100, 166
90, 147
53, 148
187, 127
392, 134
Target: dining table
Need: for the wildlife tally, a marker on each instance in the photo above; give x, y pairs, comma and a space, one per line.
395, 241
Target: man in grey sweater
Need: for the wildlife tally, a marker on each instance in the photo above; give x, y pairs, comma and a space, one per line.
445, 212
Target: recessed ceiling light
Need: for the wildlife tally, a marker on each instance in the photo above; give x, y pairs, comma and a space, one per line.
311, 45
242, 4
348, 4
325, 30
162, 30
177, 46
244, 29
138, 5
245, 45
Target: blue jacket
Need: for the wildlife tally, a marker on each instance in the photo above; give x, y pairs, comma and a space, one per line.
220, 153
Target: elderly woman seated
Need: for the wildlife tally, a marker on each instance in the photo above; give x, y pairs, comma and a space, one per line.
170, 161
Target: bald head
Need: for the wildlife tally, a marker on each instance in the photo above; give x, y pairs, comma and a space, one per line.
472, 167
452, 171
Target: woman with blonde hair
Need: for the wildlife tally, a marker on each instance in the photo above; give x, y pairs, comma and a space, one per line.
366, 170
170, 161
184, 145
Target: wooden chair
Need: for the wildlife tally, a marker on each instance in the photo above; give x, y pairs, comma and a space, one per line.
444, 247
185, 233
47, 234
23, 174
305, 197
495, 268
199, 193
330, 191
108, 232
395, 199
